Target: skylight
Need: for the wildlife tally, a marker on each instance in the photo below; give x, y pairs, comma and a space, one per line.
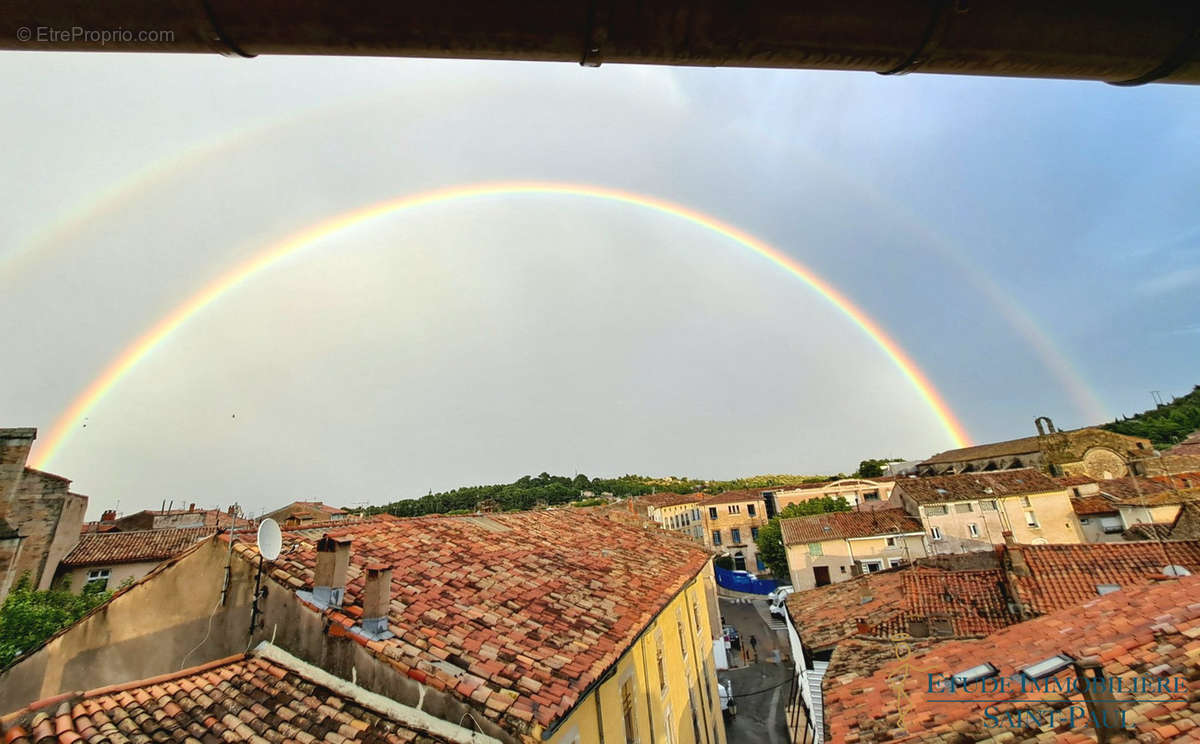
1174, 570
975, 673
1047, 667
1103, 589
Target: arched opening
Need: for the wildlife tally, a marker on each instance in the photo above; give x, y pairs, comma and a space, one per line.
739, 561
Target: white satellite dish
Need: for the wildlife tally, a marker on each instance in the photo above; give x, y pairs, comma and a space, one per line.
270, 539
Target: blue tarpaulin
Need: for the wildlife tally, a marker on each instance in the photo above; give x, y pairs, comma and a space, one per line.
740, 582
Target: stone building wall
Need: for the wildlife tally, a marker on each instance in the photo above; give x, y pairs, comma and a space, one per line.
40, 508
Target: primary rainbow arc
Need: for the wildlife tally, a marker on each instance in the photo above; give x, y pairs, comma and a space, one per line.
70, 420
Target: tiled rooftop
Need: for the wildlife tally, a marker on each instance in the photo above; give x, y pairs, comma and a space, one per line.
881, 604
971, 486
516, 613
1093, 504
839, 525
1022, 446
239, 699
669, 499
1153, 630
104, 548
1067, 575
736, 497
1189, 446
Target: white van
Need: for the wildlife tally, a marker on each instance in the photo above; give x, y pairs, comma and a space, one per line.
779, 604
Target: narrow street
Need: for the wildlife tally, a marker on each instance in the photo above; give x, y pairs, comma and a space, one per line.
760, 687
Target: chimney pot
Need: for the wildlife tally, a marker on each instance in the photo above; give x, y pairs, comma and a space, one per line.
862, 625
333, 562
191, 508
377, 599
109, 516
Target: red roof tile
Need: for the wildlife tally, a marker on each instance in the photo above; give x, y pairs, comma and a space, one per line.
104, 548
1149, 631
1093, 504
736, 497
525, 609
661, 500
1067, 575
939, 489
243, 698
971, 603
849, 524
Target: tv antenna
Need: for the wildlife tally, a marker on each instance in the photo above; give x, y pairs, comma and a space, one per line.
270, 542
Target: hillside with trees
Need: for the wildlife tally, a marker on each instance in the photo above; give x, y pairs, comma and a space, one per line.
1166, 425
530, 491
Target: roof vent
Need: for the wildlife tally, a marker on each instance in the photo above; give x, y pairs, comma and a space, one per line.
1103, 589
942, 491
986, 670
1046, 667
1174, 570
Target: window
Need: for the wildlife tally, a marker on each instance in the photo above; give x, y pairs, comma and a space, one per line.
936, 511
735, 508
735, 536
891, 542
936, 533
662, 671
988, 505
1031, 519
695, 515
750, 510
1112, 525
872, 566
753, 533
894, 562
761, 566
964, 508
627, 712
815, 549
973, 529
871, 496
683, 647
1085, 520
712, 512
1024, 501
97, 579
716, 537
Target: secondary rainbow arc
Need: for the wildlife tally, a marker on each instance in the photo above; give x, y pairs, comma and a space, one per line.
144, 345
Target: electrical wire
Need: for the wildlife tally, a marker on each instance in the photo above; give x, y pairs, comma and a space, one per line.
207, 633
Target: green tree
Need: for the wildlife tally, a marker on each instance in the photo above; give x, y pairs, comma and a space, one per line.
873, 468
28, 617
770, 535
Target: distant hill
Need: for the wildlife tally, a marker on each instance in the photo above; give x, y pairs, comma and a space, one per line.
1166, 425
530, 491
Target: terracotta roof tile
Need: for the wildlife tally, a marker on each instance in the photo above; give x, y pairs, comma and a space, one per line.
939, 489
237, 699
530, 606
1093, 504
839, 525
1067, 575
669, 499
735, 497
881, 604
1151, 630
103, 548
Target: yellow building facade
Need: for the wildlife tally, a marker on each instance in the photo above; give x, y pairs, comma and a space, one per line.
664, 688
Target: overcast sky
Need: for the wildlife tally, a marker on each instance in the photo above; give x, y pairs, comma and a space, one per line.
1033, 245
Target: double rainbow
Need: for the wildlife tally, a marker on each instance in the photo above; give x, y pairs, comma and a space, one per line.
129, 358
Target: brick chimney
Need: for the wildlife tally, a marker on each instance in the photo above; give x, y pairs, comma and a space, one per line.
377, 599
1014, 565
109, 516
191, 508
1106, 714
329, 579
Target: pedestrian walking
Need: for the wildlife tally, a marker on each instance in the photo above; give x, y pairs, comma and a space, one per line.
754, 646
